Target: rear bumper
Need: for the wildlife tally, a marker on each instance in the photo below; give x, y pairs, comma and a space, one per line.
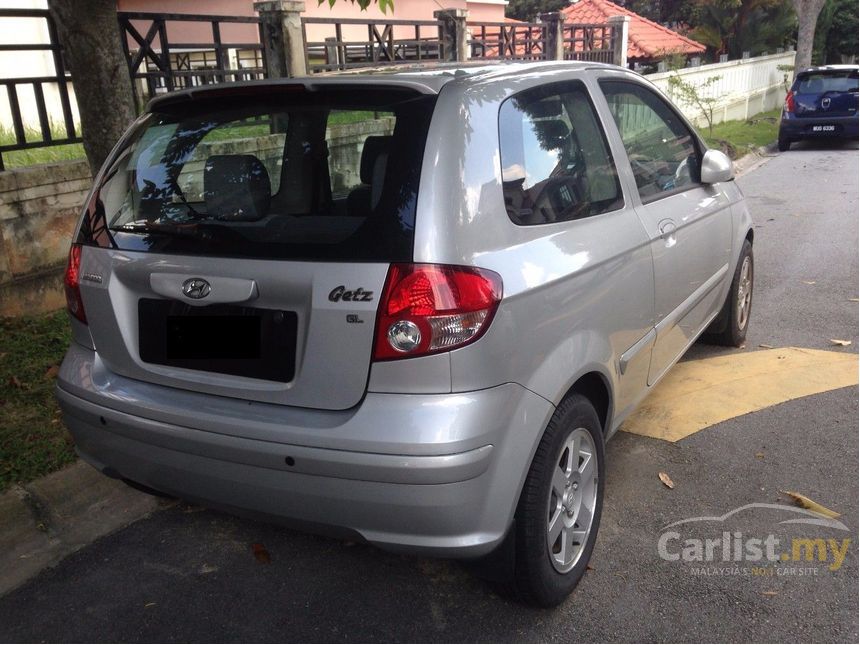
436, 474
845, 127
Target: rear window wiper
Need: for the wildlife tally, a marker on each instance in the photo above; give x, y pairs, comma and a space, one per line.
189, 230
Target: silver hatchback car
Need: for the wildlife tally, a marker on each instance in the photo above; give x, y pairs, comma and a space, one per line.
408, 308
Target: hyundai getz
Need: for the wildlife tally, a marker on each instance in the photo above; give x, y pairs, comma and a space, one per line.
408, 308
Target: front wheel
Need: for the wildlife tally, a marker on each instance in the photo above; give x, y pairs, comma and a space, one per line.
559, 509
730, 327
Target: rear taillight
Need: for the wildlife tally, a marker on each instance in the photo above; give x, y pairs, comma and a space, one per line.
431, 308
789, 101
72, 281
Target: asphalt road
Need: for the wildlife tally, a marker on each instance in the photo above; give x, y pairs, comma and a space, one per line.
187, 574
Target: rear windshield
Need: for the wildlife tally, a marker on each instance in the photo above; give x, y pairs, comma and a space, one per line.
328, 175
821, 82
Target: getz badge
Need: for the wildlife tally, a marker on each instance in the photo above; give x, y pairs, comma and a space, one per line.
356, 295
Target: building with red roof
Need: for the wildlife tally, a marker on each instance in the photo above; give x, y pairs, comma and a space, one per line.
646, 41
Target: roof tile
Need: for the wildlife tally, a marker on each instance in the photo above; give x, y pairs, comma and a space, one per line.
646, 39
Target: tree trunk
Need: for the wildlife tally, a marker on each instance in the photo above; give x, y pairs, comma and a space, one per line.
89, 33
807, 15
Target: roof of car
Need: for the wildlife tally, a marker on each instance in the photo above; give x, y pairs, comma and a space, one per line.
829, 68
423, 79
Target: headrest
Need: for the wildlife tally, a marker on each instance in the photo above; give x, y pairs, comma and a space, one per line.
373, 148
236, 187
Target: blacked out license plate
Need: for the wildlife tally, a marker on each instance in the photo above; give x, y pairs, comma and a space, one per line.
227, 339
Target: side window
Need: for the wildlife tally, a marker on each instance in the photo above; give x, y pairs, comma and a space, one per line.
663, 152
556, 164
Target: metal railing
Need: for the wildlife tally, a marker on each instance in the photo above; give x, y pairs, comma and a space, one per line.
592, 42
350, 43
167, 52
58, 82
507, 41
164, 66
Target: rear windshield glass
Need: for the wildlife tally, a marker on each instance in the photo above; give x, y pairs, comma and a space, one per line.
327, 175
821, 82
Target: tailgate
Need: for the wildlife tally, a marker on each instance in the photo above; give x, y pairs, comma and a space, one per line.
239, 245
826, 93
266, 331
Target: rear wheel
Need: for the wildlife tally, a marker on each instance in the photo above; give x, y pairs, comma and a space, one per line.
559, 509
783, 143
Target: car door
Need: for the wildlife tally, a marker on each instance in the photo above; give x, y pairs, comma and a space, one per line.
689, 223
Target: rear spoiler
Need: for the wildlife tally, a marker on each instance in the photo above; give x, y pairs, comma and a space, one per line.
299, 85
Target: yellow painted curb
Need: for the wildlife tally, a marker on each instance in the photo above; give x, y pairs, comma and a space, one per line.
697, 394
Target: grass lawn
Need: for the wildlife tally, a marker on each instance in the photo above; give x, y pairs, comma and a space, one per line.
33, 440
34, 156
737, 138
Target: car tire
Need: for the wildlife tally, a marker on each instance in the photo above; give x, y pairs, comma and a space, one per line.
783, 143
730, 326
547, 570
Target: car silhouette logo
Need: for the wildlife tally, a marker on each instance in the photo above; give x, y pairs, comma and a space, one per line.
825, 102
196, 288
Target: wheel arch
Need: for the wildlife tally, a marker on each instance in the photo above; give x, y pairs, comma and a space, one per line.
595, 387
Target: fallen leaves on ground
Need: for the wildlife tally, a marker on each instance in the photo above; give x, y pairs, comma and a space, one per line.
52, 372
841, 343
261, 553
809, 282
808, 504
759, 455
769, 593
14, 381
765, 346
667, 481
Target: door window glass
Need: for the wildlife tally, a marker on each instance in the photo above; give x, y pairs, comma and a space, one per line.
663, 152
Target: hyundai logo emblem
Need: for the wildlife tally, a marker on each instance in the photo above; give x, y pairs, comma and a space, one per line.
825, 102
196, 288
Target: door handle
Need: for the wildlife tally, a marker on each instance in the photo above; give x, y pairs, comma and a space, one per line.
667, 229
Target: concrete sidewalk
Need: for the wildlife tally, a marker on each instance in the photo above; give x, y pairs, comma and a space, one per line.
44, 521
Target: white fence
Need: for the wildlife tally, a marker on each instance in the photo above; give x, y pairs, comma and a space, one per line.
744, 88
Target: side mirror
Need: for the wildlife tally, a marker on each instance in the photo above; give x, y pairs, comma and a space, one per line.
716, 167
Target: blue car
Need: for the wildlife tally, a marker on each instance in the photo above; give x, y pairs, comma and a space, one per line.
822, 103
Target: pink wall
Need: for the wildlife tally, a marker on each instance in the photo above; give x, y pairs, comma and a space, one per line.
194, 32
181, 32
486, 12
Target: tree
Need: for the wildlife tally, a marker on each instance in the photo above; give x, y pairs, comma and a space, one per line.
673, 13
807, 15
836, 33
698, 95
735, 26
529, 9
89, 33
